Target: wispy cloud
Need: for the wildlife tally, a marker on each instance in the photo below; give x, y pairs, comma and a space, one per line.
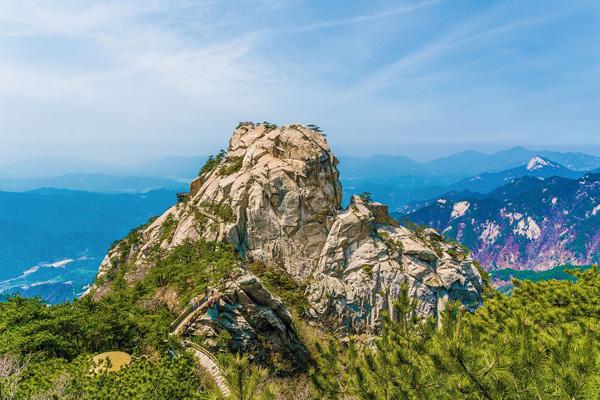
174, 76
364, 18
480, 30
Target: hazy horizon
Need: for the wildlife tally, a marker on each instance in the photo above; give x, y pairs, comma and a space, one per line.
128, 81
431, 152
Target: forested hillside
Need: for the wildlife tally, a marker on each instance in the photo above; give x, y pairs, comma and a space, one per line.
540, 343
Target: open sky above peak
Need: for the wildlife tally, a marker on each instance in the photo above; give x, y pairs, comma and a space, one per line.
117, 80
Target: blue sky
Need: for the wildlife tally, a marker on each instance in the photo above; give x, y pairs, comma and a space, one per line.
128, 80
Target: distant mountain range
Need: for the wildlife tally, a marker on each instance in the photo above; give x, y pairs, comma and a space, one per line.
100, 183
398, 180
537, 167
172, 167
531, 223
52, 241
465, 163
477, 186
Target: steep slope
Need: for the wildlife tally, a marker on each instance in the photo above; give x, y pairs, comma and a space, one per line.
368, 257
276, 196
530, 223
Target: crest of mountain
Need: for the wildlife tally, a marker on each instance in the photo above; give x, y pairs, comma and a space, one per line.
537, 166
465, 163
530, 223
473, 163
276, 196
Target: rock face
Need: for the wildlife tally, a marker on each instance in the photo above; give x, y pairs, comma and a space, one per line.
368, 257
257, 322
271, 195
276, 195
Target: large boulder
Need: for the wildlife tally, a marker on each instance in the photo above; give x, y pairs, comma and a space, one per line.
255, 322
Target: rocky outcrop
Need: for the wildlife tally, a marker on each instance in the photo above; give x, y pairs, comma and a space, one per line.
276, 195
368, 257
271, 195
255, 321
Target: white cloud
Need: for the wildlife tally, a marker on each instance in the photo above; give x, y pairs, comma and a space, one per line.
176, 76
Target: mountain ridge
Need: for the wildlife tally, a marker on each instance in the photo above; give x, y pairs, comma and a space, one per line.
529, 223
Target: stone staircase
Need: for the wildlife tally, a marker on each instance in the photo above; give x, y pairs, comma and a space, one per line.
206, 360
210, 365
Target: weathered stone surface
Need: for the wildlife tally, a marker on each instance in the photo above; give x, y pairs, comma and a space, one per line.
256, 320
276, 196
364, 264
270, 195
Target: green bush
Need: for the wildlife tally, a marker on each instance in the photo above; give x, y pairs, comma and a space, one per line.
192, 267
232, 166
212, 162
543, 342
222, 211
167, 228
292, 293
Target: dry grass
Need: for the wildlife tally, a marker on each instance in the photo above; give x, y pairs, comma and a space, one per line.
111, 361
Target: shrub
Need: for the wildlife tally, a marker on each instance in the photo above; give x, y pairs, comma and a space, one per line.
543, 342
314, 128
366, 197
183, 197
279, 282
167, 229
222, 211
233, 165
212, 163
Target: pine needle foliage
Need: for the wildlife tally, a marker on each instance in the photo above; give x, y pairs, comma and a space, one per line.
543, 342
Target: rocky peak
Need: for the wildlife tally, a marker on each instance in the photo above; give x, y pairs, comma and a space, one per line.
276, 195
537, 163
368, 257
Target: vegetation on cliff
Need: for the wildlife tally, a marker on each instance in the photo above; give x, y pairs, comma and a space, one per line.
543, 342
45, 351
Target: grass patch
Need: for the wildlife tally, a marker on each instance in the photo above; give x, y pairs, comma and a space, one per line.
279, 282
